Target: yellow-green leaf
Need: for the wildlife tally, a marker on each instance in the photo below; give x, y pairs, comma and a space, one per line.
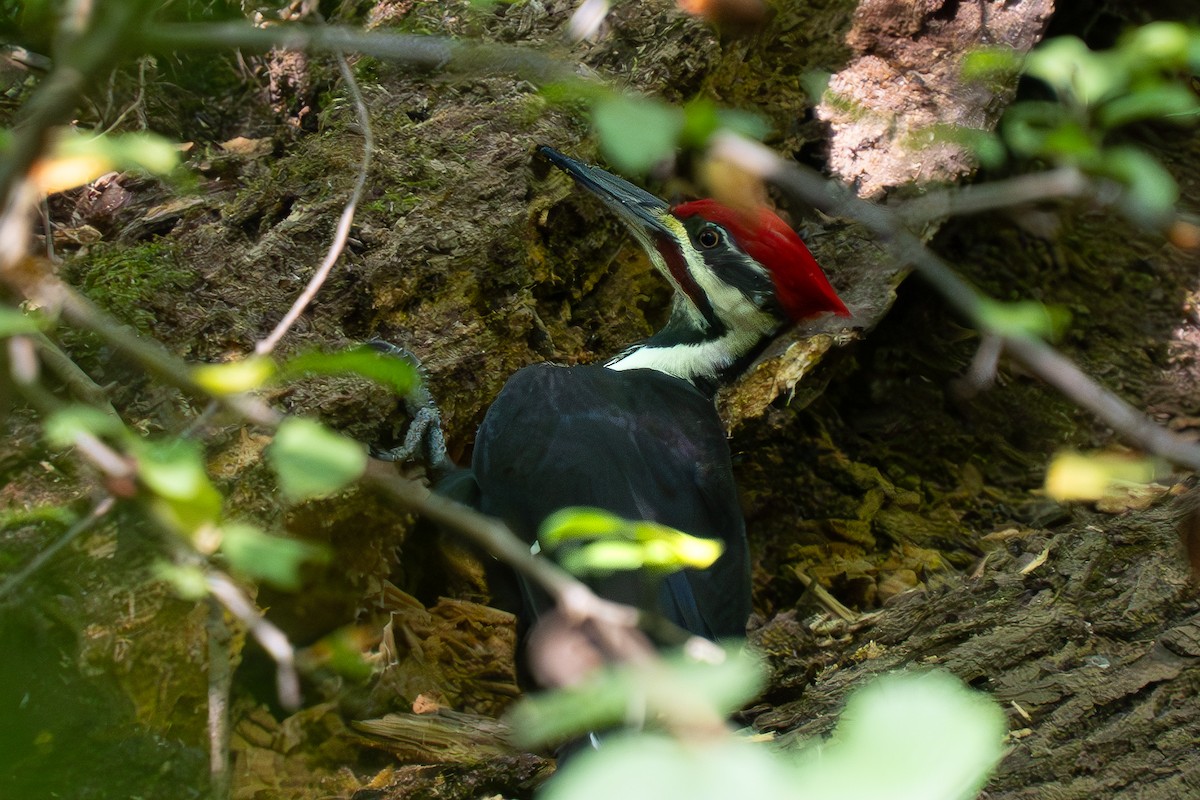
1024, 318
76, 159
14, 322
1079, 476
234, 377
608, 542
66, 424
188, 581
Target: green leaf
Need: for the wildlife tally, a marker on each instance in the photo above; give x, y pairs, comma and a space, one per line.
610, 543
636, 133
1077, 476
234, 377
908, 736
987, 145
184, 498
654, 767
1151, 192
1039, 129
1159, 45
1076, 72
273, 559
914, 736
1170, 100
66, 424
747, 123
312, 461
342, 652
14, 322
75, 159
123, 151
678, 689
395, 373
16, 516
1025, 318
702, 118
188, 581
815, 82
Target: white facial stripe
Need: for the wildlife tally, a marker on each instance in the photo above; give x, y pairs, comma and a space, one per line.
745, 324
687, 361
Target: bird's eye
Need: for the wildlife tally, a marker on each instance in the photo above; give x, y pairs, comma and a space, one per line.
709, 237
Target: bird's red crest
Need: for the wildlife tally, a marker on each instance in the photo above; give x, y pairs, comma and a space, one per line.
803, 289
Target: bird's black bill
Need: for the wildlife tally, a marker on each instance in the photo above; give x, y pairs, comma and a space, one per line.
633, 204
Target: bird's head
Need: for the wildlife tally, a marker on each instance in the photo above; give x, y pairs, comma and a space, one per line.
732, 270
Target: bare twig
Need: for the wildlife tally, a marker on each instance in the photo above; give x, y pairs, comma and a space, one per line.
981, 374
220, 681
413, 50
139, 101
571, 595
78, 382
1041, 359
102, 507
152, 356
338, 244
822, 595
272, 639
1038, 187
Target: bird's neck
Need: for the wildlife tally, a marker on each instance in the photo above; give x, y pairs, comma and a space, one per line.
707, 356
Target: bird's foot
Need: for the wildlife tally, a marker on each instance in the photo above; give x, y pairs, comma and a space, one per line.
424, 440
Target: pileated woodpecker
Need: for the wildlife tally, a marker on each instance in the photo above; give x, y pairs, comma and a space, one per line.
639, 435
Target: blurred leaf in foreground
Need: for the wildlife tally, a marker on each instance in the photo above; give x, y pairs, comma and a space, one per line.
75, 159
273, 559
233, 377
675, 690
914, 736
1079, 476
312, 461
607, 543
636, 133
387, 370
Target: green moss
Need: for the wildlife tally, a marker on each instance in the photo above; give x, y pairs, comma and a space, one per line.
319, 167
391, 204
128, 280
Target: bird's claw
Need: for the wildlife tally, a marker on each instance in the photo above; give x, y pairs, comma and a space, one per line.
424, 441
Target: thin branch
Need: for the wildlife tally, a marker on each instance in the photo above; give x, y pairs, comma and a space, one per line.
152, 356
429, 52
220, 681
1038, 187
1066, 376
413, 50
338, 244
272, 639
981, 374
1041, 359
102, 507
78, 382
570, 594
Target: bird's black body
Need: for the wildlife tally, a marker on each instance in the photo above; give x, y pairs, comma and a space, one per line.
639, 436
638, 443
